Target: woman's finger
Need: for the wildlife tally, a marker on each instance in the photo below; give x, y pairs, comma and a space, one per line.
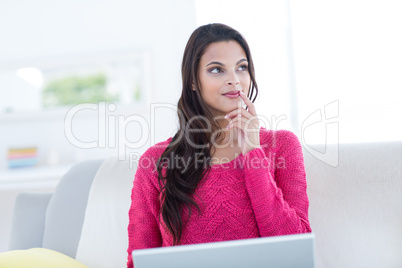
248, 102
235, 124
242, 123
240, 111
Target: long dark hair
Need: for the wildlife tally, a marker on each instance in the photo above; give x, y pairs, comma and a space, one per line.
191, 141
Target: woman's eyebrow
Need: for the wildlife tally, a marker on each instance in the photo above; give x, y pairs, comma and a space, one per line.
215, 62
221, 64
241, 61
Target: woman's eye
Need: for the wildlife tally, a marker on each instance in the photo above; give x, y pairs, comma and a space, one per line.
243, 68
215, 70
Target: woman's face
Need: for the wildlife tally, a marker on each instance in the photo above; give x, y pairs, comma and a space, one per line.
223, 68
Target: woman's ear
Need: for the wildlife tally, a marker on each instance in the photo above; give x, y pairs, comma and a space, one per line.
193, 86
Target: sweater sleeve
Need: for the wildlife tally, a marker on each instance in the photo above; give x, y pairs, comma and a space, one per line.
276, 183
143, 227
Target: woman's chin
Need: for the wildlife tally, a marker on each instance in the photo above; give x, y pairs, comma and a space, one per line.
226, 108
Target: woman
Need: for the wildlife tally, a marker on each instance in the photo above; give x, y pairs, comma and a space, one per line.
221, 176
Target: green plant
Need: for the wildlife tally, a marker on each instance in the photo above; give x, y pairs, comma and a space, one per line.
75, 89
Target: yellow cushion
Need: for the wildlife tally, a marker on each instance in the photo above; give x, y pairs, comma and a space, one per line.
37, 258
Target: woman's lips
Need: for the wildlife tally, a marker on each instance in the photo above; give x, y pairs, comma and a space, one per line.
232, 96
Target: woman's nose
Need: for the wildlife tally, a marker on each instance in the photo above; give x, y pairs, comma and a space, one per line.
232, 79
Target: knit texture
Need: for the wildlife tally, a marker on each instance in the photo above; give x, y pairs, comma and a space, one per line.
262, 193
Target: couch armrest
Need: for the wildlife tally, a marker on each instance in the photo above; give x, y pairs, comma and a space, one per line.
28, 222
66, 210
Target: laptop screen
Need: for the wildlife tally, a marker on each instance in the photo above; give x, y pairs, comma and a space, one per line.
278, 251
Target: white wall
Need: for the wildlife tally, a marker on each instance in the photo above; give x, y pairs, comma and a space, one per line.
47, 29
349, 51
44, 29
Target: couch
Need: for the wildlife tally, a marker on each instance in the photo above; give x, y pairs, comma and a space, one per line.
355, 209
85, 218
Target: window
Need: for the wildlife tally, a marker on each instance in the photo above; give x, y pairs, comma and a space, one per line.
322, 63
64, 83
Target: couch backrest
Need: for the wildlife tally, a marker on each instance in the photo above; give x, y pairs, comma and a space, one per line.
356, 207
104, 238
28, 222
66, 210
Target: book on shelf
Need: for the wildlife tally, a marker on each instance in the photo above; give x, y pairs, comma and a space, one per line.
22, 157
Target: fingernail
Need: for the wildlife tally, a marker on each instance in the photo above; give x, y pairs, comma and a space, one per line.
226, 116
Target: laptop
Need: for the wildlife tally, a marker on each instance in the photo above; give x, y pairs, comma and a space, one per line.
278, 251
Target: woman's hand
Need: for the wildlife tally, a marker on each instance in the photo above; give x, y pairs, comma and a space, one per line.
248, 125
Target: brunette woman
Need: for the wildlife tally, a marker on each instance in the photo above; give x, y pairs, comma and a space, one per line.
221, 176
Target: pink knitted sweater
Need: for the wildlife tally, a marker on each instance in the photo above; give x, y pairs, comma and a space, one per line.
261, 193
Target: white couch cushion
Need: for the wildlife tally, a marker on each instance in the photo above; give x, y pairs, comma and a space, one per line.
356, 207
104, 238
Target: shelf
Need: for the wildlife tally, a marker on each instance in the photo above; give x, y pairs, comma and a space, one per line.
31, 177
